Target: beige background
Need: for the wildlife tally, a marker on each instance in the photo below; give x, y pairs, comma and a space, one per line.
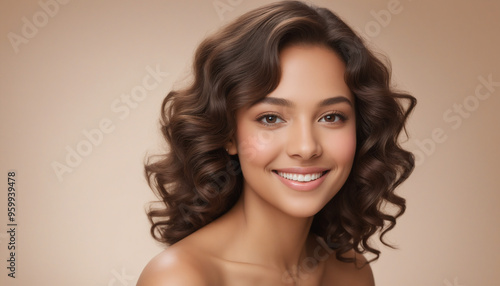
88, 227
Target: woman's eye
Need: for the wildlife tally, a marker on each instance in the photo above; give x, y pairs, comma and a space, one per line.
333, 118
270, 119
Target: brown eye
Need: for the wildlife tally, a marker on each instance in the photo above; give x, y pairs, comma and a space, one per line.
333, 118
330, 118
270, 119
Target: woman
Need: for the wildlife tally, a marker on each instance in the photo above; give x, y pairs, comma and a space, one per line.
283, 151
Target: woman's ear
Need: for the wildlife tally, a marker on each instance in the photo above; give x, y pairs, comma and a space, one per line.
231, 148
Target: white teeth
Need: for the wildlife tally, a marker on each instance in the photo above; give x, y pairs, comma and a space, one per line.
300, 177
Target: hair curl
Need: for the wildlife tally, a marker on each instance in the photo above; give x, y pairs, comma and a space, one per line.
197, 181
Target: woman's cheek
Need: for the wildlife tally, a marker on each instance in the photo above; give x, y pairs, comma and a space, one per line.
343, 146
255, 142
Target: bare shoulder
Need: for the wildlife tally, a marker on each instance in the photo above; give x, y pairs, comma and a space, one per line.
342, 273
176, 266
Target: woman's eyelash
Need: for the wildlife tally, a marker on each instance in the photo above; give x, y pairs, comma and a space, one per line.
270, 119
341, 116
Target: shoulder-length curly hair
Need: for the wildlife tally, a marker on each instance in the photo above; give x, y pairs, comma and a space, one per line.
197, 181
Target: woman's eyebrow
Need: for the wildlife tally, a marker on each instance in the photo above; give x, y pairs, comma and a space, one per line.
335, 100
287, 103
277, 101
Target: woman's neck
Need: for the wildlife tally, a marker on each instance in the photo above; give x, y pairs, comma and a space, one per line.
265, 235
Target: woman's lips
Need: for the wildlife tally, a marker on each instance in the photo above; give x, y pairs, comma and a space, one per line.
302, 179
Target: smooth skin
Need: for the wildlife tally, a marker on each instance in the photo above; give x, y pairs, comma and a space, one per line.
306, 126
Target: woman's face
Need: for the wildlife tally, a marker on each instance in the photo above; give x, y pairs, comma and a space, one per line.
296, 147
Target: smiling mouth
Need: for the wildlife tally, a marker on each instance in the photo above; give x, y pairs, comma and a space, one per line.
300, 177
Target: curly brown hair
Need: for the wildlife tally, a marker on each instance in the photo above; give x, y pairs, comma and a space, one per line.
197, 181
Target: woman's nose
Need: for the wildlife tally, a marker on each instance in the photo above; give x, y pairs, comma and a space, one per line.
303, 142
